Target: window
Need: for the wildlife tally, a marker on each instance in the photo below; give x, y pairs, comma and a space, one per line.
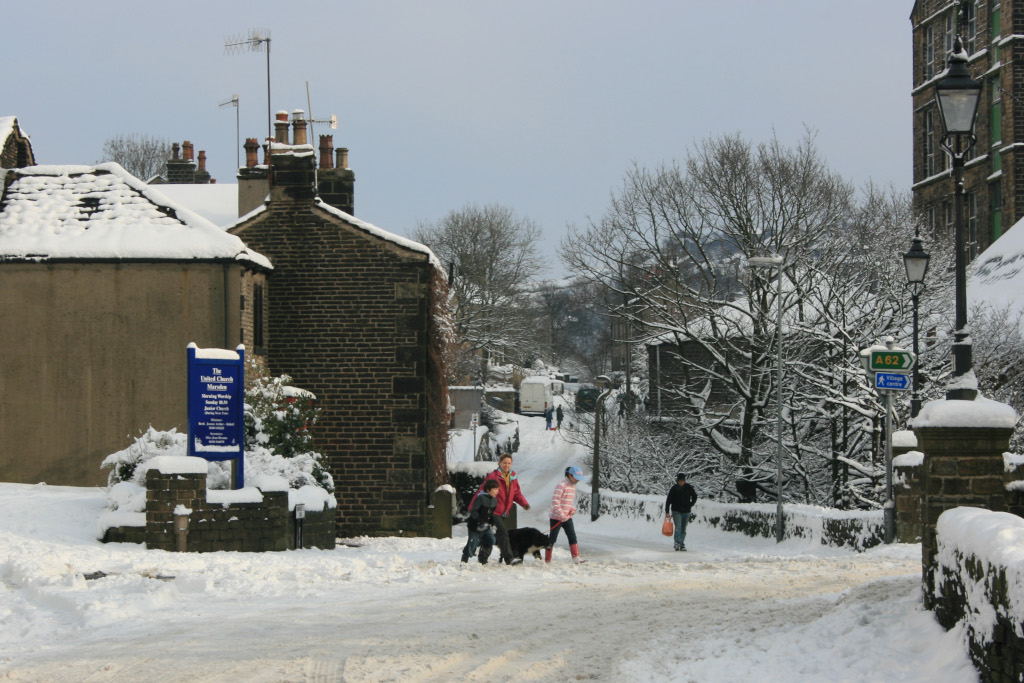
970, 25
929, 143
928, 54
994, 31
931, 220
947, 209
995, 196
257, 318
947, 35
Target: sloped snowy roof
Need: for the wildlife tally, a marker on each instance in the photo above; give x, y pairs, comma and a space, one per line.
996, 277
103, 212
7, 128
382, 234
217, 202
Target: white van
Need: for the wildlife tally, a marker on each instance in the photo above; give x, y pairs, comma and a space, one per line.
535, 396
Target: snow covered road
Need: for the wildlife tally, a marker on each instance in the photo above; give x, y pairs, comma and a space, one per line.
396, 609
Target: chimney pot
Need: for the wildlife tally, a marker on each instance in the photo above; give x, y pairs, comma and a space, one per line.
174, 151
186, 151
298, 127
202, 161
342, 154
252, 148
281, 115
326, 152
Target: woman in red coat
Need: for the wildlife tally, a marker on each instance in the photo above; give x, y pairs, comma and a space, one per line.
508, 495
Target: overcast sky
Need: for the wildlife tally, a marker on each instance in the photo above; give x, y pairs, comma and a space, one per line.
537, 105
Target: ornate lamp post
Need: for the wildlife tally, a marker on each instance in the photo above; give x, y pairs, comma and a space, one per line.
916, 263
776, 262
957, 96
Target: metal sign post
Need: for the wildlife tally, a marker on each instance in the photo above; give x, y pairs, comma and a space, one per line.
891, 367
889, 511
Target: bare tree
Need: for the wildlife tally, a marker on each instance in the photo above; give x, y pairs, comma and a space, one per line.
675, 245
143, 156
493, 255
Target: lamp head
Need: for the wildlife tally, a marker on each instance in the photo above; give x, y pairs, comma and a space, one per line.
957, 94
916, 262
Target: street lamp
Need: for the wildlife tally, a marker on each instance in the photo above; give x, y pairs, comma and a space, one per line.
957, 96
916, 263
776, 262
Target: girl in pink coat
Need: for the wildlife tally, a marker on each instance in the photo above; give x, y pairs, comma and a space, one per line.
562, 510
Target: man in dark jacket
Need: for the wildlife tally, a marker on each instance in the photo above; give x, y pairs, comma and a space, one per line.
679, 503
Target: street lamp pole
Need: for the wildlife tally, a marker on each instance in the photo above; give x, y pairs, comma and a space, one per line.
777, 263
916, 263
957, 96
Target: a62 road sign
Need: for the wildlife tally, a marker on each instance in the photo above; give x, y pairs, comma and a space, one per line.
891, 360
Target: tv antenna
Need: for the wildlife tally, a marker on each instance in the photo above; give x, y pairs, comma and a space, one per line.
312, 136
254, 42
234, 103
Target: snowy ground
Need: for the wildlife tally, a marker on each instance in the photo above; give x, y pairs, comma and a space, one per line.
395, 609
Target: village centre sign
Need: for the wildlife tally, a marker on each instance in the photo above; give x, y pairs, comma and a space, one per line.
890, 367
216, 407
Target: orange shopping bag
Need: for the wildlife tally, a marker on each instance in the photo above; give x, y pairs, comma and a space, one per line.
666, 526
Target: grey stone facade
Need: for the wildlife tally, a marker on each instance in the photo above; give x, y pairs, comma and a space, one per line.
994, 174
352, 319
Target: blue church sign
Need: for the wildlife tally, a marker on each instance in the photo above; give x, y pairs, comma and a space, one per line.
216, 406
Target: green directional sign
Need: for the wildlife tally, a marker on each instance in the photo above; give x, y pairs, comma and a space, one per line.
891, 360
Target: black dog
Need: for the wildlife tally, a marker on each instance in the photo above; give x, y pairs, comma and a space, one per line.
527, 540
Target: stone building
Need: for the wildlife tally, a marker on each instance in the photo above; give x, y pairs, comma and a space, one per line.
16, 149
993, 35
356, 320
182, 168
104, 281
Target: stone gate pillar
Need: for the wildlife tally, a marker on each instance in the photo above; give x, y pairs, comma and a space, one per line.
963, 444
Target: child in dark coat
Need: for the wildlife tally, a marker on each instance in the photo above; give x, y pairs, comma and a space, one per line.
679, 503
482, 522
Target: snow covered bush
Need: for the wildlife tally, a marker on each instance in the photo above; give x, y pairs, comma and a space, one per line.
278, 418
277, 443
124, 464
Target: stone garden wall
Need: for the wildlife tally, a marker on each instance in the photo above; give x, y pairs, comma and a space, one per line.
248, 520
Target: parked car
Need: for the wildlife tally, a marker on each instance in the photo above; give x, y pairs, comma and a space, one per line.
535, 396
586, 398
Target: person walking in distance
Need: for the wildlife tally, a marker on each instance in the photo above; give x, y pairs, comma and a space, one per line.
558, 417
562, 509
679, 503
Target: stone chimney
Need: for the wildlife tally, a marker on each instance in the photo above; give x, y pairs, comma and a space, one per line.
326, 152
181, 169
202, 176
298, 127
336, 185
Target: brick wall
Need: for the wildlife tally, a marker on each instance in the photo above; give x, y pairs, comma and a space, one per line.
266, 525
349, 320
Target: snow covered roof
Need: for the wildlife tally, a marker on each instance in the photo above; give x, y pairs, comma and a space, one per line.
381, 233
103, 212
216, 202
7, 128
996, 277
